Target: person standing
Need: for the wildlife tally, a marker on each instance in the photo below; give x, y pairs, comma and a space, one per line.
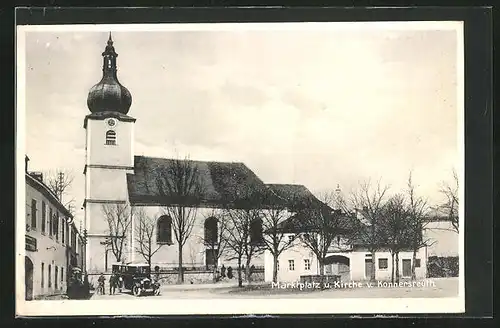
112, 284
223, 271
120, 284
101, 281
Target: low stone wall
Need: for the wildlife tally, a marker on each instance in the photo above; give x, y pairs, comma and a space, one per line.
317, 278
202, 277
193, 277
258, 276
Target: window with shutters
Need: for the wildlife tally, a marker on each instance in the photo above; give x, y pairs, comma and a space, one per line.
44, 216
33, 214
63, 231
51, 225
42, 281
50, 276
56, 225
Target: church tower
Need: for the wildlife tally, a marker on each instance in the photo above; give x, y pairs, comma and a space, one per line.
109, 157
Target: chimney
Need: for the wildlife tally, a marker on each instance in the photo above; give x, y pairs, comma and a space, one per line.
37, 175
26, 160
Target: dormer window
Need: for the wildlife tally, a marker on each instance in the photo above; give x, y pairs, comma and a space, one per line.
111, 137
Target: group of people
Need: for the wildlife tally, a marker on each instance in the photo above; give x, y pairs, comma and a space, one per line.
115, 281
229, 272
78, 284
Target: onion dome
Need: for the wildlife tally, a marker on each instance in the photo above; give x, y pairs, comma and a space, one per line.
109, 95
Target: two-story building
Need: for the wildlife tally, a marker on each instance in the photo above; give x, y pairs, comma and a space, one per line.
50, 239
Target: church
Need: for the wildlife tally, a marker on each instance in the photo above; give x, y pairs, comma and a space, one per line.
115, 176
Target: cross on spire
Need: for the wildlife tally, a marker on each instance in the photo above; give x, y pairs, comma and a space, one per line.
110, 50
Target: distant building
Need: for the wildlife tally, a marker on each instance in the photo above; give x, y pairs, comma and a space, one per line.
353, 265
51, 240
351, 260
442, 237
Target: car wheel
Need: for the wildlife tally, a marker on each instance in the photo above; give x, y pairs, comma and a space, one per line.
137, 291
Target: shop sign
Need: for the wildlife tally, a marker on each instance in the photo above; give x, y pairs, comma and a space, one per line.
31, 244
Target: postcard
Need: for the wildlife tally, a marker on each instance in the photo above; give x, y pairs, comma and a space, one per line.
249, 168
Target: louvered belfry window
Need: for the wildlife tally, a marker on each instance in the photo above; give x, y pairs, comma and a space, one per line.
111, 137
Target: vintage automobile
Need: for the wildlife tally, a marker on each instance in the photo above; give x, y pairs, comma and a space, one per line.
136, 277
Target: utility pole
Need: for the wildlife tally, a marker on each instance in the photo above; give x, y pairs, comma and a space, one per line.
60, 186
106, 244
338, 197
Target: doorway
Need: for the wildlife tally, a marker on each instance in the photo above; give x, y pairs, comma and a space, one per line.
338, 265
406, 268
368, 268
28, 278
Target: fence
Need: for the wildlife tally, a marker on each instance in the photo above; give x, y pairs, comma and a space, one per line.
197, 274
200, 274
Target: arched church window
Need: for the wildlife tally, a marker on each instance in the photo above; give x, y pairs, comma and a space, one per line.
211, 231
110, 137
256, 234
164, 230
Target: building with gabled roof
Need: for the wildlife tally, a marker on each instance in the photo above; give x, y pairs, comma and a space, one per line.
114, 174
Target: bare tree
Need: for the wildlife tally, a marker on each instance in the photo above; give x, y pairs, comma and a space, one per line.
59, 182
370, 200
241, 242
145, 227
214, 237
119, 219
417, 222
451, 205
394, 221
277, 236
180, 186
320, 227
276, 239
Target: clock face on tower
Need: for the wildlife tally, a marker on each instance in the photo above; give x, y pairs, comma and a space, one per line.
111, 122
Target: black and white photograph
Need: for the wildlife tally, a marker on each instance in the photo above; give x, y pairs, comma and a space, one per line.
240, 168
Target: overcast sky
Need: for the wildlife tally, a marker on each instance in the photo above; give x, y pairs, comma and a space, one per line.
318, 108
